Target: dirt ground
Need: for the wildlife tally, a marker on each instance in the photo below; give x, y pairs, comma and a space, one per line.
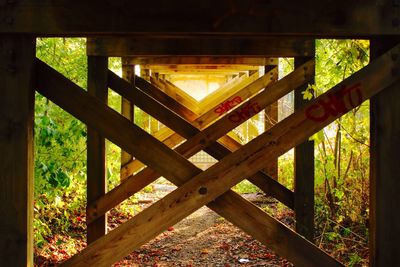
202, 239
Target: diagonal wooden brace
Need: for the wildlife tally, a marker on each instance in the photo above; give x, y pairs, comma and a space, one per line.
213, 183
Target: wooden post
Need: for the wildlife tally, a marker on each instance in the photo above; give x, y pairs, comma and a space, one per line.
270, 119
17, 54
96, 149
127, 107
385, 168
303, 173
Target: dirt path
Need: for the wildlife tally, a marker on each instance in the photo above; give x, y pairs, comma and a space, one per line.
202, 239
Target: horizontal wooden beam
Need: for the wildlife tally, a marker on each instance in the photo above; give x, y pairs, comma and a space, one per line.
201, 46
310, 18
168, 60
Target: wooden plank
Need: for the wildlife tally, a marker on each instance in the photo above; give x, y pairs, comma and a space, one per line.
17, 55
270, 119
96, 147
200, 46
303, 171
323, 18
384, 170
167, 60
127, 108
207, 138
227, 91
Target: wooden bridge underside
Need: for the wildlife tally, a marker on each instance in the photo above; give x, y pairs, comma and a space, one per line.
232, 35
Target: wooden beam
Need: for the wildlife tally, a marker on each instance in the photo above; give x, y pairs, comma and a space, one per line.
96, 147
127, 108
201, 46
385, 168
215, 181
17, 55
167, 60
323, 18
304, 171
270, 119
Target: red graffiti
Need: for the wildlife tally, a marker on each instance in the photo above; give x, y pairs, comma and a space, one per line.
335, 104
244, 113
228, 105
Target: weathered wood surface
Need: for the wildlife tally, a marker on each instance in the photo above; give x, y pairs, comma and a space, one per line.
75, 100
96, 147
303, 171
201, 46
17, 54
208, 69
322, 18
167, 60
385, 167
214, 182
127, 108
205, 140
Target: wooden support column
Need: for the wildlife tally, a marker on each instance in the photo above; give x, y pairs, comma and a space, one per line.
303, 172
127, 107
385, 168
270, 119
17, 54
96, 149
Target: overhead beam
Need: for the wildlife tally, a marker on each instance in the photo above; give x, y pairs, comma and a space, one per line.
168, 60
311, 18
247, 46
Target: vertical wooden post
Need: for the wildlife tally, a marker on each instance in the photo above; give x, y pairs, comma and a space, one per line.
127, 108
303, 173
17, 54
96, 149
146, 118
270, 119
385, 168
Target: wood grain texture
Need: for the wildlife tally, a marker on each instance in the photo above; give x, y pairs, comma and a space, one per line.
96, 147
167, 60
127, 108
229, 171
304, 170
385, 167
201, 46
323, 18
17, 54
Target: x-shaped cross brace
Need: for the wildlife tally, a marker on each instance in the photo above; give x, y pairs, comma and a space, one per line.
212, 186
